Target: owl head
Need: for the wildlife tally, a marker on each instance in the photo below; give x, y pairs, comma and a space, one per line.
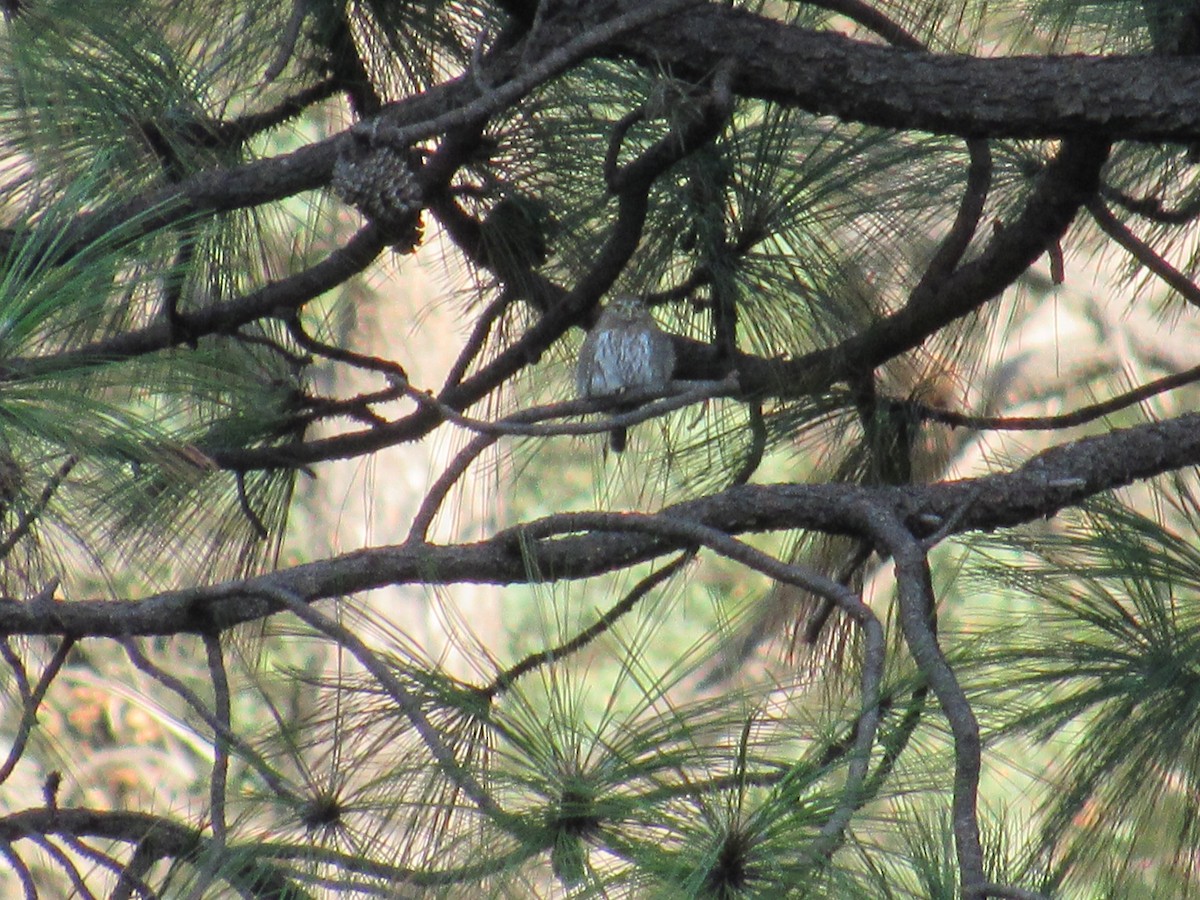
626, 307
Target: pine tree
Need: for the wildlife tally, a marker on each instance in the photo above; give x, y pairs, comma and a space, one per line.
895, 593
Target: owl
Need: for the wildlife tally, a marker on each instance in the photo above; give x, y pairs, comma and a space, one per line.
624, 351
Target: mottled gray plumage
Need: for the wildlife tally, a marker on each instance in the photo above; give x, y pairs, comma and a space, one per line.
625, 351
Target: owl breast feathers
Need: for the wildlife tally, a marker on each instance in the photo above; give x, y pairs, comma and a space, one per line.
625, 351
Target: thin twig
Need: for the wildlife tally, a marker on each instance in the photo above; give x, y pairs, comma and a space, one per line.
239, 130
758, 444
66, 864
872, 19
504, 680
418, 532
521, 423
270, 777
1143, 252
652, 404
554, 63
278, 299
816, 622
131, 877
222, 711
949, 524
477, 338
681, 142
287, 42
958, 238
295, 361
29, 516
357, 407
18, 865
979, 171
207, 873
1076, 417
610, 167
891, 749
393, 370
1152, 208
101, 858
535, 28
19, 675
247, 510
30, 709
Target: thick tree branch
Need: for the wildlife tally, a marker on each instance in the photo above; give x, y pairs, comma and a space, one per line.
453, 104
1051, 481
828, 74
1065, 185
267, 861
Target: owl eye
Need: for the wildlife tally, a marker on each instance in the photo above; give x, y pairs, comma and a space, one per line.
627, 304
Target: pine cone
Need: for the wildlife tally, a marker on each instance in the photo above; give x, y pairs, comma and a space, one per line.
380, 182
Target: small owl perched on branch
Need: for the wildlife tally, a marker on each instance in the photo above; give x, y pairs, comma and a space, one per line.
625, 351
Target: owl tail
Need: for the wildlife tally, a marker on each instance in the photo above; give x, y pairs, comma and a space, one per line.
617, 438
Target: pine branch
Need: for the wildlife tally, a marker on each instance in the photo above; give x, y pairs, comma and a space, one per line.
278, 299
1053, 480
1144, 253
828, 74
1081, 416
632, 191
161, 837
918, 621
